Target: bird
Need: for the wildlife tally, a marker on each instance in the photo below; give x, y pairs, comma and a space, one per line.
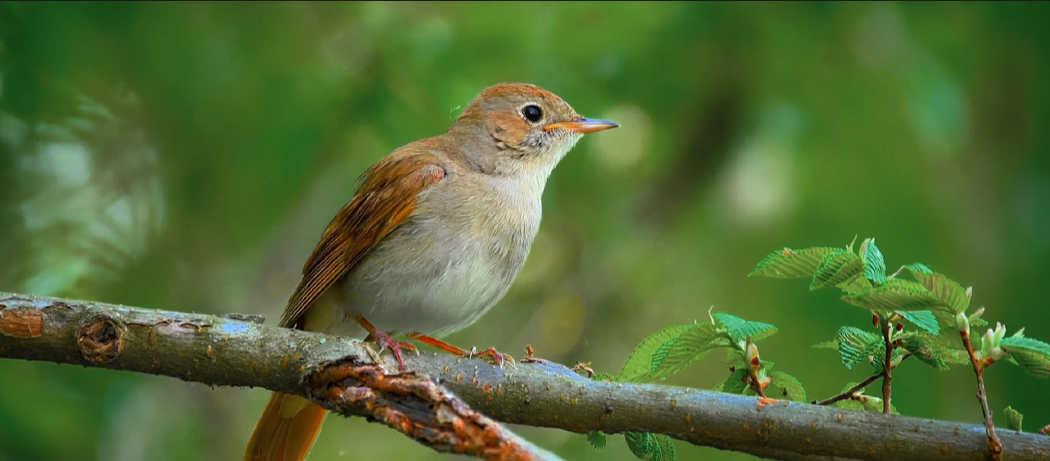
432, 238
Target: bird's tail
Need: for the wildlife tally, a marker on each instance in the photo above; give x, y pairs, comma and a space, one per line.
286, 430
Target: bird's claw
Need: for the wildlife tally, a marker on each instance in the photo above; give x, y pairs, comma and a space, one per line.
386, 342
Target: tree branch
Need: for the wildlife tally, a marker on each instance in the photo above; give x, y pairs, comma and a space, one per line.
341, 374
849, 394
887, 368
995, 444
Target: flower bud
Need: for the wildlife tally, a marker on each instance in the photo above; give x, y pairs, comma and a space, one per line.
962, 323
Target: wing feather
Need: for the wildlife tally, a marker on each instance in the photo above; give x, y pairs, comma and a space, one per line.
387, 196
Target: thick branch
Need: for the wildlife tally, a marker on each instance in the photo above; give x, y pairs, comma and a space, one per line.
340, 374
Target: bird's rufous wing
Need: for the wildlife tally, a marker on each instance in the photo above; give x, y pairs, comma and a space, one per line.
388, 193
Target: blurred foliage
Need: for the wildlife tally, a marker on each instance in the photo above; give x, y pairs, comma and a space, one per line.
187, 156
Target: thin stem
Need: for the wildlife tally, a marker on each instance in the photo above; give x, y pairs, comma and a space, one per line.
757, 386
993, 442
887, 332
849, 394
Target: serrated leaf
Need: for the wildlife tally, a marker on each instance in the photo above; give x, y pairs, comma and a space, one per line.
858, 284
837, 268
952, 295
853, 342
669, 453
791, 264
949, 347
874, 264
790, 388
921, 347
922, 319
978, 322
1013, 419
639, 364
833, 344
740, 329
677, 353
875, 355
894, 296
600, 376
597, 439
735, 383
644, 445
1032, 355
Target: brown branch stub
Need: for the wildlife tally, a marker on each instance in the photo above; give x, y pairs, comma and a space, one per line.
100, 339
1045, 430
416, 406
20, 323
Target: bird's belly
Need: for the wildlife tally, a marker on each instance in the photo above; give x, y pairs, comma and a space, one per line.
428, 282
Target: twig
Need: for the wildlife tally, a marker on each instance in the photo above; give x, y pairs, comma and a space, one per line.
995, 446
887, 376
849, 394
222, 352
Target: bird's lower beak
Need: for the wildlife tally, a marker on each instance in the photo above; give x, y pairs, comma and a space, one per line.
583, 125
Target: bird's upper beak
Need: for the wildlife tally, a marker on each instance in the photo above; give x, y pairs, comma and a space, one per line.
583, 125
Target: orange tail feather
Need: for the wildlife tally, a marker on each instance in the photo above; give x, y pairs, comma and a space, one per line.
286, 430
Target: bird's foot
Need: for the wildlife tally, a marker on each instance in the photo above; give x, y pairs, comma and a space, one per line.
385, 342
497, 357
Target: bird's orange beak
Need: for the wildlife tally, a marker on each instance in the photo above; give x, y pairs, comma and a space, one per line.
583, 125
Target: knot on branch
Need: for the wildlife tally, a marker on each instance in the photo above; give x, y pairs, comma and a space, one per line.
100, 339
417, 406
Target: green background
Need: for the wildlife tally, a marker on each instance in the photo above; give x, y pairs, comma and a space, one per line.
188, 156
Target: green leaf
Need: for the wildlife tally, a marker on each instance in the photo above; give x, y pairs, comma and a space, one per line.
922, 319
1032, 355
735, 383
921, 347
740, 329
597, 439
866, 403
919, 268
669, 453
853, 342
644, 445
948, 346
790, 388
858, 284
1013, 419
639, 364
792, 264
677, 353
894, 296
600, 376
875, 355
837, 268
833, 344
951, 294
874, 264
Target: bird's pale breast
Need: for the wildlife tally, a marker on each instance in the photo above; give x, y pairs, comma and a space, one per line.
444, 267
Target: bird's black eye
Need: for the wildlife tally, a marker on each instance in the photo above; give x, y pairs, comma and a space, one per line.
532, 113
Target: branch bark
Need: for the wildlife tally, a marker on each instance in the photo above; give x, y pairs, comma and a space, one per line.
434, 404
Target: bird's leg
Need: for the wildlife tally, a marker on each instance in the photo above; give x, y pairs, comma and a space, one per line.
385, 341
490, 352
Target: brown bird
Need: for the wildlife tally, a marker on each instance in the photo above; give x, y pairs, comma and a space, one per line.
433, 237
